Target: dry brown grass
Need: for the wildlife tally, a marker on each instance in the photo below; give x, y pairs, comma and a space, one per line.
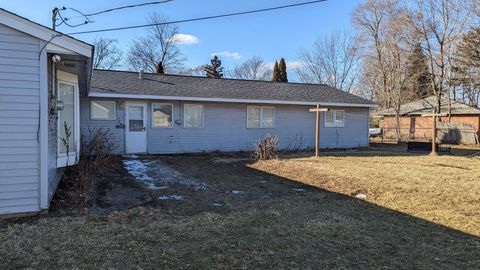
444, 189
271, 224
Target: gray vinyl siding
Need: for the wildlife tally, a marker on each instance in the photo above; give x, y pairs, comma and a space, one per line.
225, 129
87, 125
19, 119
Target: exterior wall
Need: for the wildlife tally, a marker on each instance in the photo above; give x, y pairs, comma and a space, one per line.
420, 128
225, 129
19, 119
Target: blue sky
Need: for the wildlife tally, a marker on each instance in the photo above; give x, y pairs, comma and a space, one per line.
270, 35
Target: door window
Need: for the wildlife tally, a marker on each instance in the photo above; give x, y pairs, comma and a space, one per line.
135, 118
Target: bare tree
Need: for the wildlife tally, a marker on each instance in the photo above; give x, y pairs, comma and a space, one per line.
438, 24
252, 69
332, 60
385, 54
107, 54
157, 48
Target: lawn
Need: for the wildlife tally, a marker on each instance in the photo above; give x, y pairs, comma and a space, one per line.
294, 213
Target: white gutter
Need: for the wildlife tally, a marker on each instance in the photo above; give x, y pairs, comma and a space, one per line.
229, 100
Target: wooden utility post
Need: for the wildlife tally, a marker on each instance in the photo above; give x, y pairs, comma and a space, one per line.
317, 128
54, 18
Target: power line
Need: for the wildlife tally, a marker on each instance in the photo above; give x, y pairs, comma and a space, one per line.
129, 6
199, 18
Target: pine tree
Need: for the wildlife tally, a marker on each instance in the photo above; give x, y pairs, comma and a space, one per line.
418, 74
282, 68
159, 68
276, 73
215, 69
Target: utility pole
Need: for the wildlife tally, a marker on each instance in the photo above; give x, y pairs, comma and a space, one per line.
317, 128
54, 18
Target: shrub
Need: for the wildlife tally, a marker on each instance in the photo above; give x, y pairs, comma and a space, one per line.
266, 148
80, 182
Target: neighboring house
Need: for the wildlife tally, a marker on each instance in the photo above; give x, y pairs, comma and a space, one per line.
31, 153
160, 114
459, 122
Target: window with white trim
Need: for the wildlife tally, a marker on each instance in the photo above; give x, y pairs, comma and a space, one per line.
335, 119
102, 110
162, 115
68, 119
193, 115
260, 117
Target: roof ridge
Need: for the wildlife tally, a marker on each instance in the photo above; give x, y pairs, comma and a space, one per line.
202, 77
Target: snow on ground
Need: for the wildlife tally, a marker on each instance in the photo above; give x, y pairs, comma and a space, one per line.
171, 197
157, 175
138, 169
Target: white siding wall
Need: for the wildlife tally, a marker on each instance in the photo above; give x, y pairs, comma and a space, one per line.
225, 129
19, 113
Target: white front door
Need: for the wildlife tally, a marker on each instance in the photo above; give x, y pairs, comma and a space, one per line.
136, 128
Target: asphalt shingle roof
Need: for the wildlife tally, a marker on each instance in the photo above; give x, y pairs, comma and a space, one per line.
426, 105
122, 82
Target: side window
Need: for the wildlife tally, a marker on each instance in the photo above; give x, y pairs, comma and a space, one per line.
102, 110
162, 115
335, 119
260, 117
192, 115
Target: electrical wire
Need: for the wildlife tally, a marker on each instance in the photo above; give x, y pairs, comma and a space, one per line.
129, 6
199, 18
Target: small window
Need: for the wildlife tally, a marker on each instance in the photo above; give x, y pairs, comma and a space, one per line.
335, 119
193, 115
162, 115
260, 117
102, 110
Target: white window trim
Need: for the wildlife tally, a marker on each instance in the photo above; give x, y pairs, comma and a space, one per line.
71, 157
151, 111
261, 117
334, 117
99, 119
203, 115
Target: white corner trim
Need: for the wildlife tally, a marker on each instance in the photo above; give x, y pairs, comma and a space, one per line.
43, 136
42, 32
229, 100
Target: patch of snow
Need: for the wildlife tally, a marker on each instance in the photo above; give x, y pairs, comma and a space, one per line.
171, 197
236, 192
156, 175
298, 189
137, 169
361, 196
130, 156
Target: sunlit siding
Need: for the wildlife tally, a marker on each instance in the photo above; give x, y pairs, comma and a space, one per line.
225, 129
19, 119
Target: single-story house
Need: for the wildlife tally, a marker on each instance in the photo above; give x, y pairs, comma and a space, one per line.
161, 114
458, 123
49, 90
40, 70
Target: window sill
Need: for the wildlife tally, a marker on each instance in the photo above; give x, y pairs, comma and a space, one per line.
65, 161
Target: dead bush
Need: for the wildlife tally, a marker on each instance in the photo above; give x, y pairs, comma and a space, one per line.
266, 148
79, 186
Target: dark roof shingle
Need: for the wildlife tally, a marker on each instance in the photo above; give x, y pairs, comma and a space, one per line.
128, 83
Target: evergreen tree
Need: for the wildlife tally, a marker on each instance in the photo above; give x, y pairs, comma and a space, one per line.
159, 68
467, 66
282, 69
215, 69
418, 74
276, 74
